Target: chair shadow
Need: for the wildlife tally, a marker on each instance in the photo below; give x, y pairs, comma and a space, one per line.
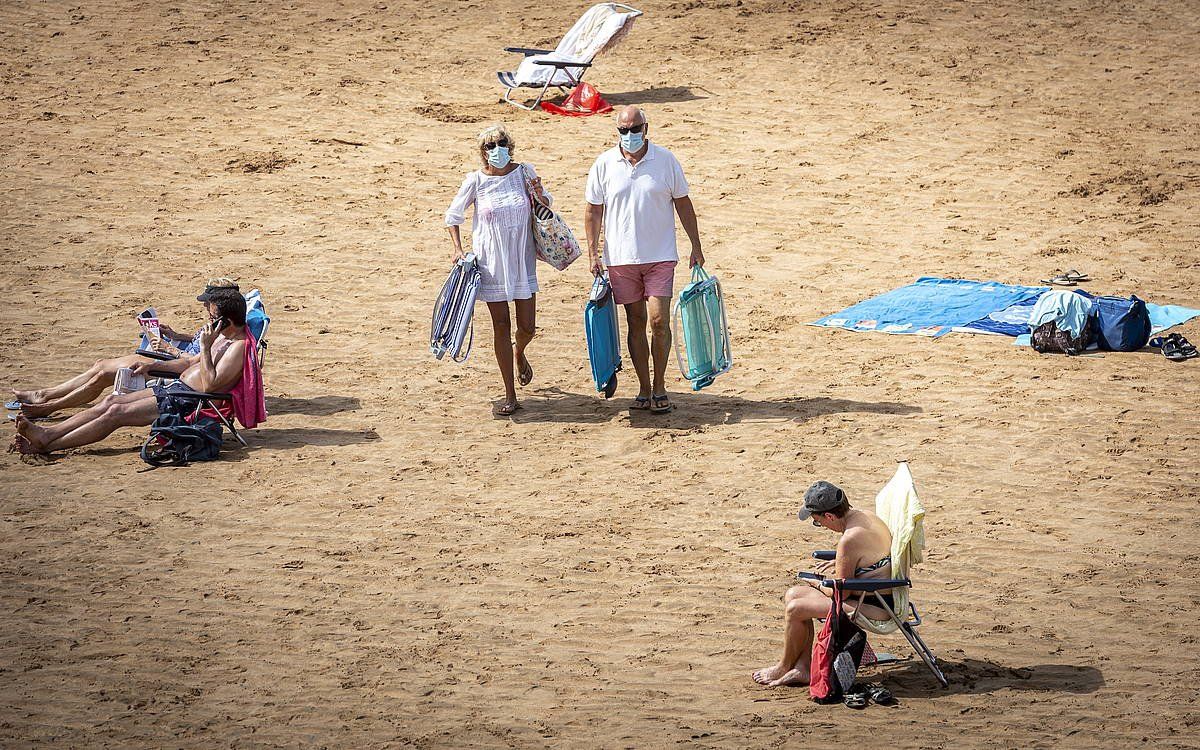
975, 676
692, 409
655, 95
318, 406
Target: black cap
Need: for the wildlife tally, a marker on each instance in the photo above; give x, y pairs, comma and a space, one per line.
208, 292
822, 497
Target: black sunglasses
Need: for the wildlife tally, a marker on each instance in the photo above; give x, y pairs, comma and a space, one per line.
631, 129
502, 142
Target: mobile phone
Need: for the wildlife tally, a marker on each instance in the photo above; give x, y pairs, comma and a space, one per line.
219, 324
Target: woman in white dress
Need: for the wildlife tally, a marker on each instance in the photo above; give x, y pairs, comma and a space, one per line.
502, 241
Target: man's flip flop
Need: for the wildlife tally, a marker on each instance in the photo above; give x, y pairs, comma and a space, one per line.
12, 405
1076, 276
13, 418
662, 404
641, 403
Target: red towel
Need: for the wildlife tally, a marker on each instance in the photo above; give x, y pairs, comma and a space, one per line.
249, 403
583, 100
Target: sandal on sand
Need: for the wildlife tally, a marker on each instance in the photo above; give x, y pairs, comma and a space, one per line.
525, 376
879, 694
12, 405
1172, 348
1076, 276
1187, 348
856, 700
506, 408
662, 404
641, 403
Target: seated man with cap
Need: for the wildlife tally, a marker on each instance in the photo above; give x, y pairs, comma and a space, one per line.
864, 551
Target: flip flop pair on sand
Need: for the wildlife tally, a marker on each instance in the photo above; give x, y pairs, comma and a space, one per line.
1069, 278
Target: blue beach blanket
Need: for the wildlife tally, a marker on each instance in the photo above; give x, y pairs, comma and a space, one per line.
930, 306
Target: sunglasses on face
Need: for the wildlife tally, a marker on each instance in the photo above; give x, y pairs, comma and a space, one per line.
631, 129
503, 143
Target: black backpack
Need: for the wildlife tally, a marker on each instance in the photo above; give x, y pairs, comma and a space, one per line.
174, 442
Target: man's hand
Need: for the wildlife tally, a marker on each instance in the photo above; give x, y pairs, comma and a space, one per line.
168, 332
697, 257
827, 565
142, 368
161, 345
208, 336
597, 265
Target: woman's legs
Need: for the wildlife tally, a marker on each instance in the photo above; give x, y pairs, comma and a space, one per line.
526, 330
801, 604
91, 425
502, 340
79, 390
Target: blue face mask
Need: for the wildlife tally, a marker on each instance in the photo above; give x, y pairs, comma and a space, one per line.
498, 157
633, 142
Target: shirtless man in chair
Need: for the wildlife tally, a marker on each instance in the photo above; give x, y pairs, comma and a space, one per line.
217, 368
864, 551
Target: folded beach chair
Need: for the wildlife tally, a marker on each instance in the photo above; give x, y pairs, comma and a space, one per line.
701, 330
603, 336
900, 508
453, 330
599, 29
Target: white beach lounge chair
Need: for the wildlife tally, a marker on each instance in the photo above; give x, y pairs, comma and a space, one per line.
601, 28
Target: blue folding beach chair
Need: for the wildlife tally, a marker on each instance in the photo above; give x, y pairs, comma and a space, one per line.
603, 336
453, 329
701, 330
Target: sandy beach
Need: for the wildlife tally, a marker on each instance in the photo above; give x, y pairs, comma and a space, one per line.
387, 565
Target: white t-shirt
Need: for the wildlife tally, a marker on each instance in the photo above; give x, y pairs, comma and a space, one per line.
638, 200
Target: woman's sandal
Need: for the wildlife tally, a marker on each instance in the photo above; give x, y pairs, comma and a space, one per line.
662, 404
525, 376
1187, 348
507, 408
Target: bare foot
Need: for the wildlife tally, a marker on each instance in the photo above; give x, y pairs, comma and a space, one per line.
29, 397
21, 445
32, 434
796, 676
36, 410
768, 675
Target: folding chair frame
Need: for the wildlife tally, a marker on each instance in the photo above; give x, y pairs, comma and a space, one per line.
558, 65
907, 626
203, 401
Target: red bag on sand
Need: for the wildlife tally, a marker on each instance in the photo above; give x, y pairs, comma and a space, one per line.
583, 100
837, 654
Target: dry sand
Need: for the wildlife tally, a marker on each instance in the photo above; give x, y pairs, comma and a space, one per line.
389, 566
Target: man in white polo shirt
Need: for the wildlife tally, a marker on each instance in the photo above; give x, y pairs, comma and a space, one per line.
635, 189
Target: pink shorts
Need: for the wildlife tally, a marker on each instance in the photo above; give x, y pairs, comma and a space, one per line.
641, 281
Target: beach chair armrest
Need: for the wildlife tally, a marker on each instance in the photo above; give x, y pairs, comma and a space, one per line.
163, 374
562, 63
871, 584
151, 354
202, 396
527, 51
824, 554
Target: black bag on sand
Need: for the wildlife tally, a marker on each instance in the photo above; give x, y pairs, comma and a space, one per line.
174, 442
1049, 338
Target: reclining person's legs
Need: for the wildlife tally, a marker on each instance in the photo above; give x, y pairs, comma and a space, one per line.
801, 605
91, 425
79, 390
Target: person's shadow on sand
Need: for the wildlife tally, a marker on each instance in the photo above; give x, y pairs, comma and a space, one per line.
974, 676
318, 406
692, 409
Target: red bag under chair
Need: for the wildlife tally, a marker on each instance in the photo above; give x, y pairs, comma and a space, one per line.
837, 653
583, 100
